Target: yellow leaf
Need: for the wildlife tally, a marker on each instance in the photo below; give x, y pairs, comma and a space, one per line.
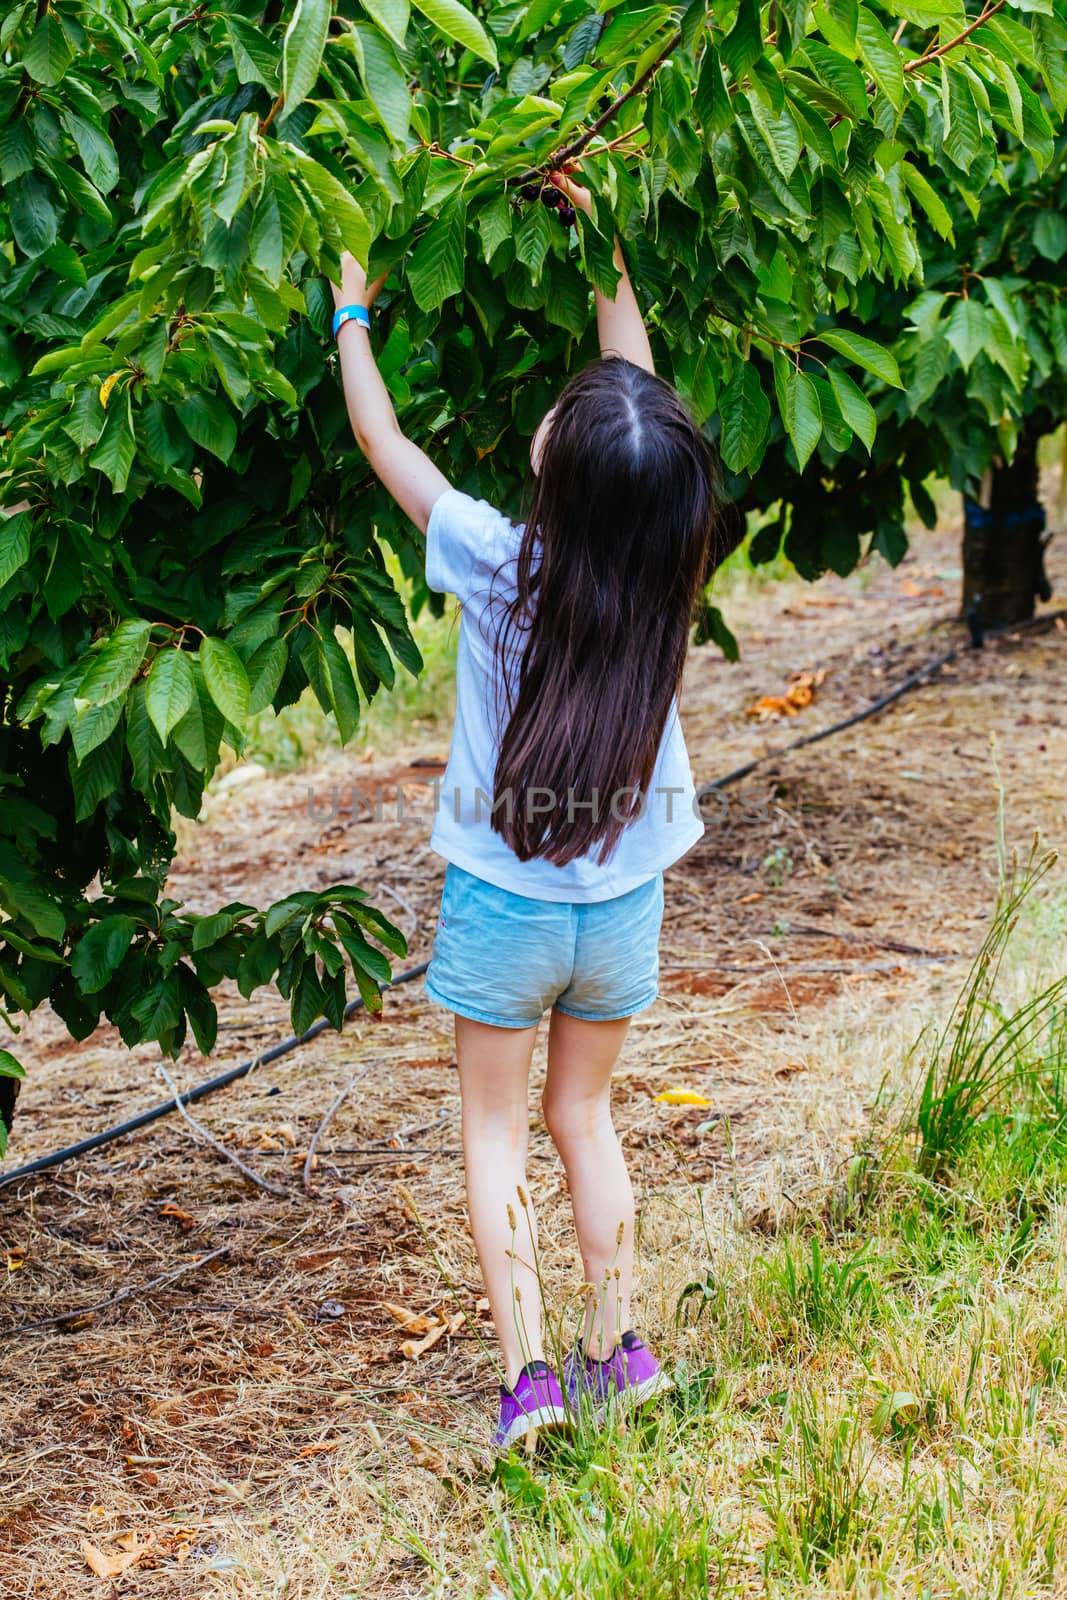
106, 1566
107, 386
682, 1097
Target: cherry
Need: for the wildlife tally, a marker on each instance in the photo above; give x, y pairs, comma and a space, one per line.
566, 216
529, 191
551, 197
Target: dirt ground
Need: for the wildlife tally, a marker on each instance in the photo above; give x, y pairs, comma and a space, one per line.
161, 1427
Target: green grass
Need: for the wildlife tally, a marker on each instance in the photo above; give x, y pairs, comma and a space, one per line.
874, 1401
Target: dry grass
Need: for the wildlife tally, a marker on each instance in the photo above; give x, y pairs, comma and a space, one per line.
254, 1424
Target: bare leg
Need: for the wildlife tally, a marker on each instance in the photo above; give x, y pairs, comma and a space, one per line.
494, 1076
577, 1108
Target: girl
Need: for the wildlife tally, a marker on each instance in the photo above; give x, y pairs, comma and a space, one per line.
567, 793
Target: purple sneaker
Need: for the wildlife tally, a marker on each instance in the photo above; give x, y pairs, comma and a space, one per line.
536, 1403
631, 1374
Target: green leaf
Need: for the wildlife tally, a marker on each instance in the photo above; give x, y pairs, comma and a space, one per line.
803, 415
385, 82
142, 741
334, 201
209, 422
495, 225
435, 270
265, 670
928, 13
1050, 235
391, 16
226, 679
117, 446
344, 696
96, 776
745, 412
968, 330
534, 236
457, 23
33, 214
744, 43
937, 212
169, 690
95, 150
90, 725
865, 353
780, 134
255, 58
882, 57
538, 13
856, 409
840, 75
963, 128
48, 51
1050, 48
99, 953
302, 48
14, 543
114, 669
9, 1067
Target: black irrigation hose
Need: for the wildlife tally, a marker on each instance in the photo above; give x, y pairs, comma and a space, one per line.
293, 1043
201, 1091
911, 682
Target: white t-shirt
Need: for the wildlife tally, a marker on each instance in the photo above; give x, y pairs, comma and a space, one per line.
470, 552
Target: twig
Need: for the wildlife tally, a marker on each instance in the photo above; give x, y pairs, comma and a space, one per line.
569, 152
201, 1132
265, 122
123, 1294
324, 1124
943, 49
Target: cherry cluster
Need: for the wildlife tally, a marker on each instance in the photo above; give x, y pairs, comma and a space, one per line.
552, 198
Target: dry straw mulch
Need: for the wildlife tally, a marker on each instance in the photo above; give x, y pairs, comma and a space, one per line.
186, 1440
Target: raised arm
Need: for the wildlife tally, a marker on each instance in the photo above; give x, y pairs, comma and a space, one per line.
619, 321
406, 471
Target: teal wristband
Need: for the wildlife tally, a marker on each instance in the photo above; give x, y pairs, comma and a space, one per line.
345, 314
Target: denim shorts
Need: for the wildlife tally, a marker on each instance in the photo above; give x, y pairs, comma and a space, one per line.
505, 959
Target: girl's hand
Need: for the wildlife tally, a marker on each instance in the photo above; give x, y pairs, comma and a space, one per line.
355, 290
579, 197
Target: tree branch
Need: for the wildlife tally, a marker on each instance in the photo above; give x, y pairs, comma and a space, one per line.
570, 152
943, 49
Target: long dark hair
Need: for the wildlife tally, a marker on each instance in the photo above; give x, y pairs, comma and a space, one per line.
618, 544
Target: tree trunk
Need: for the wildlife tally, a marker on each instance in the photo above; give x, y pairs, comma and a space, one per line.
1004, 543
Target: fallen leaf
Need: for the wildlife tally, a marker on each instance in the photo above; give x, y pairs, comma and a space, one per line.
682, 1097
324, 1449
16, 1258
424, 1456
184, 1218
411, 1320
319, 1258
411, 1349
770, 705
750, 899
106, 1566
